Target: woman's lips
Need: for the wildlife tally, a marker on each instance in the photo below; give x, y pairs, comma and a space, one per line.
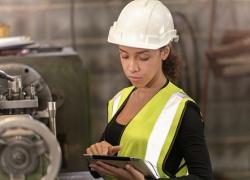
134, 78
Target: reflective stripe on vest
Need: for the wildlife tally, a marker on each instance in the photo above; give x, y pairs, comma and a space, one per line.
159, 134
116, 103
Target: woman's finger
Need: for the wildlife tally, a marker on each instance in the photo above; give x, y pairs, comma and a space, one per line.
99, 148
104, 146
102, 169
137, 174
94, 149
113, 150
116, 172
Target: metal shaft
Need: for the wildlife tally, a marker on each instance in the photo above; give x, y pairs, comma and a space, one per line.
52, 116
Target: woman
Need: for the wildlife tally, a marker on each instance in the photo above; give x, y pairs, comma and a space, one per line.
153, 119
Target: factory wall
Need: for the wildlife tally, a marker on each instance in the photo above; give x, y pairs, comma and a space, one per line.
84, 25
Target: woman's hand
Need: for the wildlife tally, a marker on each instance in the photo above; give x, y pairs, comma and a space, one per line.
102, 148
127, 173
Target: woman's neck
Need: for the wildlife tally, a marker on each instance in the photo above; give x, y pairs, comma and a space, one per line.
156, 84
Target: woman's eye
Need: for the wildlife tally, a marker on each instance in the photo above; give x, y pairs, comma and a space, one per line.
144, 58
124, 57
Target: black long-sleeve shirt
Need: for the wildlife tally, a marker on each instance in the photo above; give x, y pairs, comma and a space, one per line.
189, 144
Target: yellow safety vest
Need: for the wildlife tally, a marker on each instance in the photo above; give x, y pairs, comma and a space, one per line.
150, 134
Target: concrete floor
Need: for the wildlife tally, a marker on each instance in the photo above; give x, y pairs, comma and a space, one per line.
85, 175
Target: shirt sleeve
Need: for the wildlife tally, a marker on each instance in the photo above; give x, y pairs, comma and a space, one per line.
192, 145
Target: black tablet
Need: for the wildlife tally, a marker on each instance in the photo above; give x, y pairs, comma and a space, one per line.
144, 166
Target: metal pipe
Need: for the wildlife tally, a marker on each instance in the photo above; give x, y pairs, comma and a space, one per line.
204, 89
52, 116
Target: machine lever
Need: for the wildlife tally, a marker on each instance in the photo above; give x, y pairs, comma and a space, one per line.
6, 76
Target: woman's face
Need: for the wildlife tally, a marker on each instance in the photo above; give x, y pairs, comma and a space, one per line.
143, 67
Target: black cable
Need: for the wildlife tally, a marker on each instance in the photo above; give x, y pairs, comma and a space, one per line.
195, 52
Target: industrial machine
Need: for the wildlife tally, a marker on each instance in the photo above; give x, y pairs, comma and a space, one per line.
44, 121
25, 143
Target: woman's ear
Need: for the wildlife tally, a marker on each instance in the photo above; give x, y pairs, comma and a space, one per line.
165, 51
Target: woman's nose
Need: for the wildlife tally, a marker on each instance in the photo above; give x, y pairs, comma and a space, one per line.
133, 66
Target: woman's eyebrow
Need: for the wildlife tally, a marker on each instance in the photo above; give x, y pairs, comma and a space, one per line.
141, 52
122, 50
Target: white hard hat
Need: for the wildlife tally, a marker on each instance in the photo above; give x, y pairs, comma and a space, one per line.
144, 24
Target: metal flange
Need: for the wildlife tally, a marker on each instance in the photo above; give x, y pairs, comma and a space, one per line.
53, 151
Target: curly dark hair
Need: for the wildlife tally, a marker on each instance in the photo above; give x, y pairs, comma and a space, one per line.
171, 66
